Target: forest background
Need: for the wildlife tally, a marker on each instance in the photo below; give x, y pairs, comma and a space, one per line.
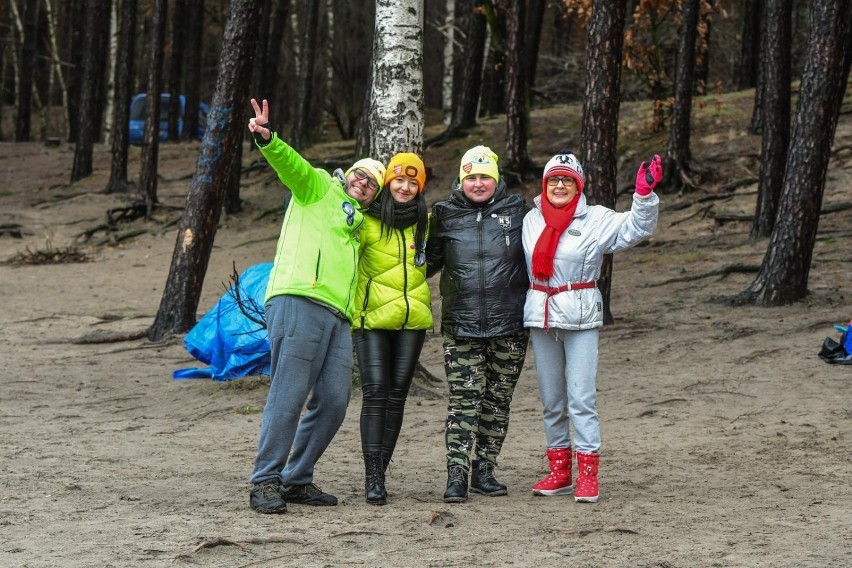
727, 439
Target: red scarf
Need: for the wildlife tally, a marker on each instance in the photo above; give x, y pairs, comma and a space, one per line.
556, 221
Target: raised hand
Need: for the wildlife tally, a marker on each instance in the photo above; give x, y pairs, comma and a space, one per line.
259, 125
648, 177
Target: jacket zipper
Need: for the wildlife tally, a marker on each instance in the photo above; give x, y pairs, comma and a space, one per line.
481, 276
366, 302
405, 279
316, 269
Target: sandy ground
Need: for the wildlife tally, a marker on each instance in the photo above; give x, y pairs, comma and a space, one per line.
726, 439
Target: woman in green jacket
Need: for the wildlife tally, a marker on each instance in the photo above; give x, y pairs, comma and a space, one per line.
393, 312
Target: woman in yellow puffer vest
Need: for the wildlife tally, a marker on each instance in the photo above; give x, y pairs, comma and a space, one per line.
392, 312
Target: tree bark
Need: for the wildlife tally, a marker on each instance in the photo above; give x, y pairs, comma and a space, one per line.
123, 81
97, 24
192, 76
179, 23
76, 17
745, 71
676, 169
604, 47
23, 120
396, 99
197, 230
517, 107
300, 136
783, 276
467, 70
756, 125
777, 16
532, 40
494, 75
272, 87
147, 192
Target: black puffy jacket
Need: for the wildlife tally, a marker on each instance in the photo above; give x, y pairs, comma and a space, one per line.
484, 279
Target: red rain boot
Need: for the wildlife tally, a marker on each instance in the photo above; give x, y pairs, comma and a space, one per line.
587, 478
558, 481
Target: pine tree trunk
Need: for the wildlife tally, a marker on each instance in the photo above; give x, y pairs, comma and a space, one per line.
678, 157
300, 136
23, 121
76, 18
783, 276
494, 75
213, 172
776, 107
147, 192
604, 47
517, 114
396, 100
97, 24
123, 81
759, 82
176, 67
745, 72
532, 40
272, 78
192, 76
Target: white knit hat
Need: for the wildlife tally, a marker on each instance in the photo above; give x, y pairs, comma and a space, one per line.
564, 163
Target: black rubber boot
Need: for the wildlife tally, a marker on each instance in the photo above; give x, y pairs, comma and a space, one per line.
374, 480
482, 479
456, 485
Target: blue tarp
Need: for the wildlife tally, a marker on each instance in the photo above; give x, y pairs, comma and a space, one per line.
225, 339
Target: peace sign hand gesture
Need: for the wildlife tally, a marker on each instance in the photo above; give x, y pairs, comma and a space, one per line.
259, 125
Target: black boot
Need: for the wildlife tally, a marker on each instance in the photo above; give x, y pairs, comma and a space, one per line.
374, 482
482, 479
456, 485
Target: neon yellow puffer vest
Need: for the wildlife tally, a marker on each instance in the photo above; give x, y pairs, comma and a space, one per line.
392, 290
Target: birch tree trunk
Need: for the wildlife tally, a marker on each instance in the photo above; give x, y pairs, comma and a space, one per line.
449, 30
396, 99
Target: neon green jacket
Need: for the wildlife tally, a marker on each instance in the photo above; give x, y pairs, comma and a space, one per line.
317, 252
392, 289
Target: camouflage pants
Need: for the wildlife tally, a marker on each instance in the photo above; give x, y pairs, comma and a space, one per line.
482, 374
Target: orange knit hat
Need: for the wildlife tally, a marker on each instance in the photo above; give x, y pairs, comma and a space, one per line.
406, 164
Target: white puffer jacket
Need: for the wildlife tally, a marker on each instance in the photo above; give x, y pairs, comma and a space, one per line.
595, 231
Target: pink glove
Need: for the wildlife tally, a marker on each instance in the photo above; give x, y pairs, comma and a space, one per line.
648, 178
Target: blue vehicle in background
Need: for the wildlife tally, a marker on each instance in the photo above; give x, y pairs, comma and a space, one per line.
137, 117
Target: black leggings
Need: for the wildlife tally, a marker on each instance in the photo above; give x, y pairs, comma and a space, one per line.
386, 360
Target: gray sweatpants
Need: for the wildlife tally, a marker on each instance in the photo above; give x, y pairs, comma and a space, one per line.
567, 367
311, 356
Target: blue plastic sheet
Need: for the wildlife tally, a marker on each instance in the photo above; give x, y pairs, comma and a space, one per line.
231, 344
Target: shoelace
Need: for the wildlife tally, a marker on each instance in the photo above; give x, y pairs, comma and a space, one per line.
457, 474
486, 470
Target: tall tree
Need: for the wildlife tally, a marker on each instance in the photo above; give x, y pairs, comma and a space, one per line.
300, 136
123, 81
396, 99
532, 39
494, 75
97, 25
467, 71
147, 192
677, 166
602, 101
783, 275
756, 125
192, 76
75, 16
745, 71
23, 121
213, 172
517, 107
274, 87
176, 66
777, 17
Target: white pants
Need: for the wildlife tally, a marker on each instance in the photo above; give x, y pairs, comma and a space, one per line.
567, 367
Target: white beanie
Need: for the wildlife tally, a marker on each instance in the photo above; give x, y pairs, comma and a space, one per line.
564, 163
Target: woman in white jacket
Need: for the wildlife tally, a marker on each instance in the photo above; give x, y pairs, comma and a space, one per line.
565, 241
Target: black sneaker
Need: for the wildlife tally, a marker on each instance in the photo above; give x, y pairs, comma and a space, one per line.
308, 494
266, 498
